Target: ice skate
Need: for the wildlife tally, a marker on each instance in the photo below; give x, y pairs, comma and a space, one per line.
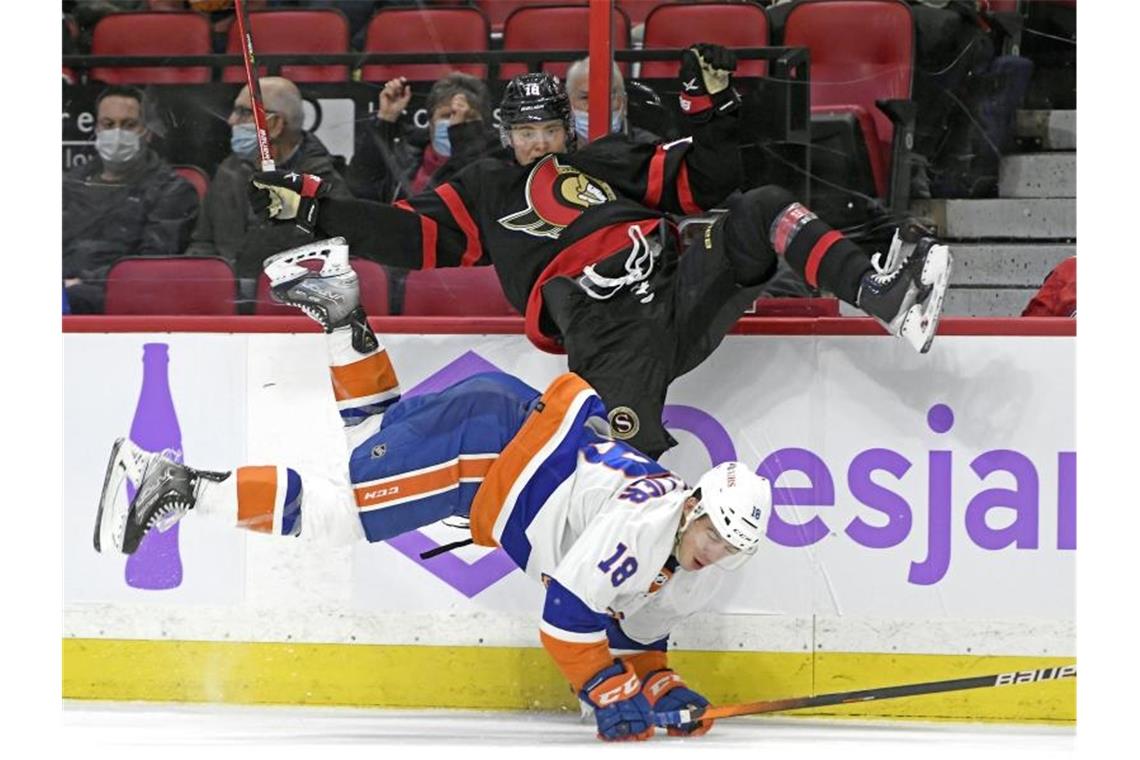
329, 295
905, 292
164, 492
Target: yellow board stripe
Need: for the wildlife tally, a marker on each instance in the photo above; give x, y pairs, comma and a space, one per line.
517, 678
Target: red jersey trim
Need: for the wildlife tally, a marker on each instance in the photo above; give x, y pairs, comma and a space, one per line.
570, 262
458, 209
655, 184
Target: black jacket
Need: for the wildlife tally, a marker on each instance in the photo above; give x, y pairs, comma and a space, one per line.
228, 228
387, 156
148, 213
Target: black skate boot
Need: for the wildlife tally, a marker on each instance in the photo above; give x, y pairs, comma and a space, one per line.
905, 292
164, 492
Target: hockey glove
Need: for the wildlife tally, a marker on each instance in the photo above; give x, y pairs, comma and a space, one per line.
706, 80
665, 691
620, 709
287, 196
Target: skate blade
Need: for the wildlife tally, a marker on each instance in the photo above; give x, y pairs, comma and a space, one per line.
285, 267
105, 517
921, 322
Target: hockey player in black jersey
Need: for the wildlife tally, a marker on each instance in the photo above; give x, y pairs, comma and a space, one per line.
584, 243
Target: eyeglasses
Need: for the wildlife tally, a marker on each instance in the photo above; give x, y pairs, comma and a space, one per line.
241, 113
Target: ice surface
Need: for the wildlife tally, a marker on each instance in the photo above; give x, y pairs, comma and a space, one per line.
216, 730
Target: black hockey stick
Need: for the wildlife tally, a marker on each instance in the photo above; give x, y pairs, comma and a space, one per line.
679, 717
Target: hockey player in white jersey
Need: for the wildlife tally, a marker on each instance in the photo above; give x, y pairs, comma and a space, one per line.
622, 545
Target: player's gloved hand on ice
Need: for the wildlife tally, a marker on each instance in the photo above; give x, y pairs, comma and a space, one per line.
665, 691
286, 196
620, 710
706, 80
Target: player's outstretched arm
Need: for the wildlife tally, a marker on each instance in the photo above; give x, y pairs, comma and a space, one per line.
394, 235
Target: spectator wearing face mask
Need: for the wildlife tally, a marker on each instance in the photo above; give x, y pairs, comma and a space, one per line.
393, 159
226, 227
126, 201
578, 88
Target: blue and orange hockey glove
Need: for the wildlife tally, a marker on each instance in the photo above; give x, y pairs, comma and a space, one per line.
666, 691
620, 709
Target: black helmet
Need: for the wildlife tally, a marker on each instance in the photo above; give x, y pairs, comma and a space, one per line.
534, 98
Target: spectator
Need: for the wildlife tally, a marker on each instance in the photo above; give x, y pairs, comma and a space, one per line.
87, 13
226, 226
578, 88
393, 159
1058, 294
127, 201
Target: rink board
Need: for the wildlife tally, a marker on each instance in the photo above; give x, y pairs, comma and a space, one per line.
924, 525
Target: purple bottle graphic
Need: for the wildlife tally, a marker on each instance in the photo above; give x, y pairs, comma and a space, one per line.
156, 565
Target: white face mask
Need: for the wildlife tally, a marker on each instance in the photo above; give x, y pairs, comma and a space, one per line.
118, 146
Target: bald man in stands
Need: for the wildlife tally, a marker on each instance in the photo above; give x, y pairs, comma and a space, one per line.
226, 226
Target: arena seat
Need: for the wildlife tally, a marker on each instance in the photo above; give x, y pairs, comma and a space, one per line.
323, 30
497, 11
373, 292
196, 176
147, 33
171, 285
678, 25
431, 30
638, 10
455, 292
861, 51
556, 27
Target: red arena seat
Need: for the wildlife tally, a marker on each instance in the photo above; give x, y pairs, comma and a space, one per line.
497, 11
373, 292
171, 285
861, 51
431, 30
556, 27
196, 177
146, 33
455, 292
678, 25
314, 31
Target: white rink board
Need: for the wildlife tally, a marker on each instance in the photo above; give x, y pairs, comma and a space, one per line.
264, 399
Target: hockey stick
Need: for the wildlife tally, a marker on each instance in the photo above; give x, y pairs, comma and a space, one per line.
679, 717
251, 79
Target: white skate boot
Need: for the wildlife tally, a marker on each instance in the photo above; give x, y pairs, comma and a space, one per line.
330, 296
164, 492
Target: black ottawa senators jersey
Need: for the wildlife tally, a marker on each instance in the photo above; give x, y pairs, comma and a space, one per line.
552, 218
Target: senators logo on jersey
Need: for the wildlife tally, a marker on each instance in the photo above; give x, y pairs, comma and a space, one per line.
556, 195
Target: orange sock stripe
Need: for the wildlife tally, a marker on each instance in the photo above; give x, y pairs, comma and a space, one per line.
578, 662
407, 487
647, 662
369, 376
538, 429
257, 493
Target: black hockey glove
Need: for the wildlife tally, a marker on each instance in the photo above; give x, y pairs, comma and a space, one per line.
288, 196
706, 80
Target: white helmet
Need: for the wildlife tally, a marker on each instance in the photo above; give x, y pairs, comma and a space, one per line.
737, 502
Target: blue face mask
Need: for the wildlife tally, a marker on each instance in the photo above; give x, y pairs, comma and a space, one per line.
440, 140
243, 140
582, 124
